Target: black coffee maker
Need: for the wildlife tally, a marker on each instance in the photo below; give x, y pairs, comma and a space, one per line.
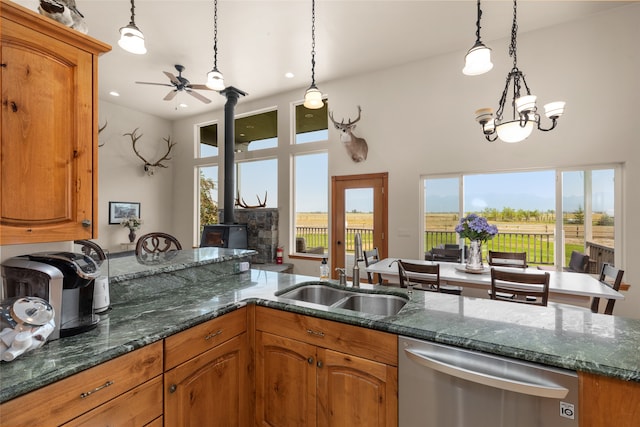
64, 279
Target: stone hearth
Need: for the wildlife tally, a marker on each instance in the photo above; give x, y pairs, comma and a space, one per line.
262, 231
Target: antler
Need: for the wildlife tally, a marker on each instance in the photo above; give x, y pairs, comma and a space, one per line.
100, 129
354, 122
243, 204
147, 164
349, 123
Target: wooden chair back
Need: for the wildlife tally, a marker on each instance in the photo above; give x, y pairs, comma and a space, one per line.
507, 259
578, 263
446, 255
371, 257
425, 277
156, 242
524, 288
92, 250
611, 277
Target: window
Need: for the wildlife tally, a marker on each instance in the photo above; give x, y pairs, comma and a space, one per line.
208, 204
311, 125
523, 206
208, 146
257, 182
311, 196
256, 132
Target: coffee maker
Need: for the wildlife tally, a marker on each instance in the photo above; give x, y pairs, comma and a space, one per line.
64, 279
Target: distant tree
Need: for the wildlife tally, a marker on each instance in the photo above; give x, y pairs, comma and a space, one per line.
208, 206
605, 220
508, 214
578, 215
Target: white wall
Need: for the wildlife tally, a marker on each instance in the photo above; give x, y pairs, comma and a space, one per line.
418, 119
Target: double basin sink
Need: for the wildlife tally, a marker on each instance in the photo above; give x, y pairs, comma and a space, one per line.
323, 294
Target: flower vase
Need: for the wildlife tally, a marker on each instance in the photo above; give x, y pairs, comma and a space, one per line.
474, 260
132, 235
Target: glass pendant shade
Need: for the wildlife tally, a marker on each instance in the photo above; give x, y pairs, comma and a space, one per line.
513, 132
313, 98
526, 103
478, 60
215, 81
554, 109
132, 40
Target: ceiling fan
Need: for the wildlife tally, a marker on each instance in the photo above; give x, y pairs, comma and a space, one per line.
180, 84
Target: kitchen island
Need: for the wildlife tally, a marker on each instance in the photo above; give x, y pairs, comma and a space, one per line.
160, 300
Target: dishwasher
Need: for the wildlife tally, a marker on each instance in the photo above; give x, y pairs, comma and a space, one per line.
445, 386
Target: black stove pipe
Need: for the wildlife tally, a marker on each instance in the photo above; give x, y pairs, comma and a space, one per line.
232, 94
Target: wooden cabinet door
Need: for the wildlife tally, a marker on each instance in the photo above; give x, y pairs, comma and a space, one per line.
49, 130
606, 402
353, 391
211, 389
285, 382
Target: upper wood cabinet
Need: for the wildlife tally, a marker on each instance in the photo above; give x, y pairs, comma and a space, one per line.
48, 155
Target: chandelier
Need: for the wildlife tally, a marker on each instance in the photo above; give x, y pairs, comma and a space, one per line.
131, 38
525, 116
478, 59
313, 96
215, 81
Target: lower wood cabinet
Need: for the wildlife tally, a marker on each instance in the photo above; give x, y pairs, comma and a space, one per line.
608, 402
207, 381
313, 372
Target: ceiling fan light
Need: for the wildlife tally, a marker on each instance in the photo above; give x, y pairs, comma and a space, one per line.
478, 60
215, 81
132, 40
313, 98
512, 131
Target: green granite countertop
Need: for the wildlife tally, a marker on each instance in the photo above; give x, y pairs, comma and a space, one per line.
158, 298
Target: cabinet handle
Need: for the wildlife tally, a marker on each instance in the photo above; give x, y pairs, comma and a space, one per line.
319, 363
316, 333
310, 360
173, 388
213, 334
88, 393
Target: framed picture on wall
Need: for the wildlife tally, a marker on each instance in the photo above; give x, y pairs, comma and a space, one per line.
121, 210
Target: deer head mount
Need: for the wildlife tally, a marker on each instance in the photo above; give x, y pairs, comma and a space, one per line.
149, 167
356, 147
261, 204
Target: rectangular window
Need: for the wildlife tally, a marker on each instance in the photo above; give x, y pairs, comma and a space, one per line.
208, 190
208, 146
311, 199
311, 125
256, 132
257, 183
523, 206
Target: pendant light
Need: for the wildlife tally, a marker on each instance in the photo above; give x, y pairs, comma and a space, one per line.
313, 96
215, 80
478, 59
524, 116
131, 38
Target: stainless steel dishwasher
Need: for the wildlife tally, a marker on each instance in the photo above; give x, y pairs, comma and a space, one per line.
444, 386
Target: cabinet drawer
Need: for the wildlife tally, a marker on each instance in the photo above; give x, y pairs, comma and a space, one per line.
70, 397
138, 407
185, 345
355, 340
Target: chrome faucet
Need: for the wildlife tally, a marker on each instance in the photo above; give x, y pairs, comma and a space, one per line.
356, 259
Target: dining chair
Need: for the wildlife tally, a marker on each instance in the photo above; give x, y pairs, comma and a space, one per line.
524, 288
446, 254
612, 277
91, 249
371, 257
507, 259
156, 242
578, 263
425, 277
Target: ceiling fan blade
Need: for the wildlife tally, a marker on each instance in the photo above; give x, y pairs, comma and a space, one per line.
170, 95
157, 84
198, 96
200, 87
173, 78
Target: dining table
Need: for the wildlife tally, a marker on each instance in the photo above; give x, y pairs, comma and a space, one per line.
564, 287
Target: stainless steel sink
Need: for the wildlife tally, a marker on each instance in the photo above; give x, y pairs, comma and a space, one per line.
317, 294
323, 294
385, 305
